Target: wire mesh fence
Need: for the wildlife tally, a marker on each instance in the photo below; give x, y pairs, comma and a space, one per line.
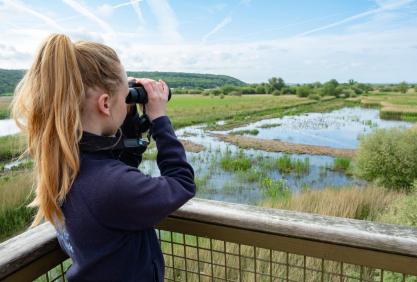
192, 258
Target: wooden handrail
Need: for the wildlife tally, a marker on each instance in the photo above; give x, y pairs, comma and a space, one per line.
302, 233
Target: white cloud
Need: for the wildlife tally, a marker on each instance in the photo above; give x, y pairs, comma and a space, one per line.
166, 18
363, 53
105, 10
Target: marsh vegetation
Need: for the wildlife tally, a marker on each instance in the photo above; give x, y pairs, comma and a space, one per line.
304, 154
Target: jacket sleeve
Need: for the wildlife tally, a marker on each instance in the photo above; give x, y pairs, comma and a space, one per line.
138, 201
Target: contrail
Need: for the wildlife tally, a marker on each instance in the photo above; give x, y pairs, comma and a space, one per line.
126, 4
81, 9
218, 27
358, 16
20, 6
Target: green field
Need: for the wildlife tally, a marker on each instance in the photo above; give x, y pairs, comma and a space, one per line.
187, 110
393, 105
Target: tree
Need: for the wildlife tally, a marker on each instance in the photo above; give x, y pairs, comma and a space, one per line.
303, 91
227, 88
403, 87
351, 82
276, 83
260, 89
330, 88
316, 84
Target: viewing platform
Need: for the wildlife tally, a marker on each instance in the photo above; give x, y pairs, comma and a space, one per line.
208, 240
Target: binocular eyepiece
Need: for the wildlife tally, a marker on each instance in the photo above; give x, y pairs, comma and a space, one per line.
138, 94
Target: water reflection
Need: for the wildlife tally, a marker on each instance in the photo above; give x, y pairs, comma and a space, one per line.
339, 129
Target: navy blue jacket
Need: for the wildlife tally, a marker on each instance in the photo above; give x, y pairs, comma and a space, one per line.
112, 208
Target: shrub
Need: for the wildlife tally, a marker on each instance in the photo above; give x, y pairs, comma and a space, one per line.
402, 211
276, 92
260, 89
247, 90
221, 96
314, 97
226, 89
216, 92
389, 157
235, 93
303, 91
357, 90
347, 92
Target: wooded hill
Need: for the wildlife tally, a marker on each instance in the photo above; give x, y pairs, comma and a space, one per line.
10, 78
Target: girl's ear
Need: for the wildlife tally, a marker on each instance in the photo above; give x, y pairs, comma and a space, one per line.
103, 104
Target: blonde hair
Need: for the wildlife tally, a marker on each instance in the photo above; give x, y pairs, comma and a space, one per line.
47, 107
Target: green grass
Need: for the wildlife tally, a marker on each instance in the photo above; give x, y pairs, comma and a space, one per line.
235, 163
275, 189
15, 194
395, 106
303, 106
364, 203
4, 106
251, 175
286, 164
341, 164
246, 131
401, 211
270, 125
187, 110
11, 146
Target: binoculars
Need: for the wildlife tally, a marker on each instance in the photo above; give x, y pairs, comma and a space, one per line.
138, 95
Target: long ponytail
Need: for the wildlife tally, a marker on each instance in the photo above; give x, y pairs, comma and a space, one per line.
47, 106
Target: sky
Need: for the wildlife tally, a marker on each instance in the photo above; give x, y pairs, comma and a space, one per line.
301, 41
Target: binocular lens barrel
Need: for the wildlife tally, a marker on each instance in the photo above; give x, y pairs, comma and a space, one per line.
138, 95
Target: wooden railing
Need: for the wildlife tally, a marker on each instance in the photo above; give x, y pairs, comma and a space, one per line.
210, 240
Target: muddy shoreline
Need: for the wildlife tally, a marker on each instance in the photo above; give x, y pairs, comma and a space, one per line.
245, 142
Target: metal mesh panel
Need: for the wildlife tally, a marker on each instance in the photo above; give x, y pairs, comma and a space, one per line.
57, 273
192, 258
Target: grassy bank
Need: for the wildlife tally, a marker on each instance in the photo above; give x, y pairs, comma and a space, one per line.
243, 118
15, 194
187, 110
365, 203
4, 106
11, 146
397, 106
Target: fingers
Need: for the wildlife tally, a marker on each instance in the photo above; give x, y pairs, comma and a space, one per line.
165, 87
147, 83
154, 88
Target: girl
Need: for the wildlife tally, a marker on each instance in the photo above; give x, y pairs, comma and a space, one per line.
71, 104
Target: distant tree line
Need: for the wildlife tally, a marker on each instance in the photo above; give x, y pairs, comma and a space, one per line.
190, 80
277, 86
211, 84
10, 78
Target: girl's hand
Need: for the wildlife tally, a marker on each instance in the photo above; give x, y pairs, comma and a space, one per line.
157, 96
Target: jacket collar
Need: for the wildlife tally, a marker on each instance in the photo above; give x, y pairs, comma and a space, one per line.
91, 142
